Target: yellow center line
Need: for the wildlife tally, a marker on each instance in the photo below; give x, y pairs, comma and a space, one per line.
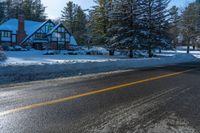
42, 104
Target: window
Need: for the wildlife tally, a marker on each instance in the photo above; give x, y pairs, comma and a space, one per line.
39, 36
62, 35
59, 35
6, 34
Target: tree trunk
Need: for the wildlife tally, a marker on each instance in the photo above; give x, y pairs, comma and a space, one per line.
150, 52
194, 47
131, 53
111, 52
188, 49
160, 50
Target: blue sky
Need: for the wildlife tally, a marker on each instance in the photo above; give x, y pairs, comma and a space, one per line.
54, 7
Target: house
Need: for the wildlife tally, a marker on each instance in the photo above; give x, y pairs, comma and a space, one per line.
38, 35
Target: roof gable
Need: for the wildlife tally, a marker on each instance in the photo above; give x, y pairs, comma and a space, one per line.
58, 26
38, 28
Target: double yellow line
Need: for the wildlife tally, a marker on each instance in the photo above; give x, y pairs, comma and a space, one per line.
42, 104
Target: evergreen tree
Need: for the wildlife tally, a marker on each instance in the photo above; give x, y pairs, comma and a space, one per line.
80, 22
32, 9
13, 8
99, 22
9, 9
27, 8
154, 20
139, 24
38, 11
174, 29
174, 16
124, 29
75, 20
2, 13
68, 14
163, 18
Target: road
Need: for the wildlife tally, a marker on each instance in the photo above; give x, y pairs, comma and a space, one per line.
160, 99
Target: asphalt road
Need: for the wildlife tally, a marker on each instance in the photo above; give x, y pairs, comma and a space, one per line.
145, 100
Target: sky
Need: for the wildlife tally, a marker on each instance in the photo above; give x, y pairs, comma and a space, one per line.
54, 7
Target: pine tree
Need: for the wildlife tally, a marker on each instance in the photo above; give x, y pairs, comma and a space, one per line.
174, 16
124, 30
174, 29
99, 22
13, 8
34, 10
2, 13
9, 9
75, 20
115, 14
80, 22
27, 8
31, 9
154, 20
163, 17
68, 14
38, 11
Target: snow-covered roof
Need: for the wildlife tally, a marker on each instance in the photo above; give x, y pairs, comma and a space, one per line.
73, 41
12, 25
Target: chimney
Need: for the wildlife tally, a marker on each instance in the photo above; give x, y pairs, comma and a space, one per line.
21, 34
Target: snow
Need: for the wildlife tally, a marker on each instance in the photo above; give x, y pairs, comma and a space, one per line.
172, 124
35, 57
32, 65
12, 25
2, 56
170, 53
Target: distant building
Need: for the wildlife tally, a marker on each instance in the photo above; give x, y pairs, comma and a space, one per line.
38, 35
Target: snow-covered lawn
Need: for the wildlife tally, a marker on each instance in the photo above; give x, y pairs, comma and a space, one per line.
195, 53
35, 57
34, 65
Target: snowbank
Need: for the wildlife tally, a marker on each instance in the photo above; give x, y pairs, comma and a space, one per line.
2, 56
34, 57
22, 73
